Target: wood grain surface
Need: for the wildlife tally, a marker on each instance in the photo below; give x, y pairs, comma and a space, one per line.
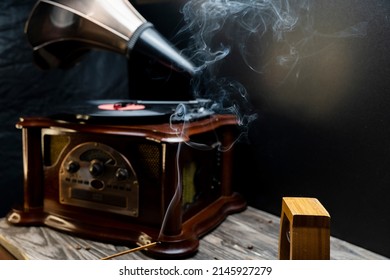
251, 234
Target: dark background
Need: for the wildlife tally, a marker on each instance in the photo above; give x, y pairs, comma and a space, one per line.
323, 123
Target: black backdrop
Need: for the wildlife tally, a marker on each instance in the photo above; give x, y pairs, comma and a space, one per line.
323, 131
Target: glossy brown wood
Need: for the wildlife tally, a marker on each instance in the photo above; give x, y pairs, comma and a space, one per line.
165, 132
33, 173
183, 226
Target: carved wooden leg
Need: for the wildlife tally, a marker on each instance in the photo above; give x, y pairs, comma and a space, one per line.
304, 230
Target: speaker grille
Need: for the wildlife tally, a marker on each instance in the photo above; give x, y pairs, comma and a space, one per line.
149, 161
53, 145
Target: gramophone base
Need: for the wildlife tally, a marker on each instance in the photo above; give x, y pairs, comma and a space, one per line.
175, 246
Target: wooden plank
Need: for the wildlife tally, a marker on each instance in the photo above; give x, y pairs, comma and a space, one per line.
251, 234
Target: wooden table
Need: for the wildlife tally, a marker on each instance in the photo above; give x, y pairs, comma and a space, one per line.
251, 234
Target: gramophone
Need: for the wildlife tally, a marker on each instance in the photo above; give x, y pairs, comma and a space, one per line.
123, 171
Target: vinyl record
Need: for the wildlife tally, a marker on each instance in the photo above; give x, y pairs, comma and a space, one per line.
134, 111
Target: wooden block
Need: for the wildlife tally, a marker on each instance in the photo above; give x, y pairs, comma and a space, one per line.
304, 230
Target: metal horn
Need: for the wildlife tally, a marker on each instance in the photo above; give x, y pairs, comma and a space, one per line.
61, 31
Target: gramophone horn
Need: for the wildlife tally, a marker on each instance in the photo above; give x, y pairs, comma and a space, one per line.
61, 31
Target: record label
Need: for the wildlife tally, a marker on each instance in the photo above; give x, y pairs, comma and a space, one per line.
121, 107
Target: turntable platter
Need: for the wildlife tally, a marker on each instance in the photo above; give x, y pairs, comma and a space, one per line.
134, 111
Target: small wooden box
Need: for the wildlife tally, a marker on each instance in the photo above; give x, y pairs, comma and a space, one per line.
304, 230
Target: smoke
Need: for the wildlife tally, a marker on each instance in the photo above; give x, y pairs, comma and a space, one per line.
252, 35
241, 21
228, 38
219, 28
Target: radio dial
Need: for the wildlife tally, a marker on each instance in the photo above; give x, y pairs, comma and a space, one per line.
122, 174
72, 167
96, 168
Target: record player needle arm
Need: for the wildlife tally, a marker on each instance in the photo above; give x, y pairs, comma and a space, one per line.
143, 247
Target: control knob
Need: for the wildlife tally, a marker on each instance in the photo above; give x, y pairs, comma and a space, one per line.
96, 168
122, 174
72, 166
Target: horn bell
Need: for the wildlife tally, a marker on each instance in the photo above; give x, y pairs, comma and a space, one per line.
62, 31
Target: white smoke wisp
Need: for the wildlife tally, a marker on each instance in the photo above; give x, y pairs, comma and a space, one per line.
260, 35
220, 27
239, 19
